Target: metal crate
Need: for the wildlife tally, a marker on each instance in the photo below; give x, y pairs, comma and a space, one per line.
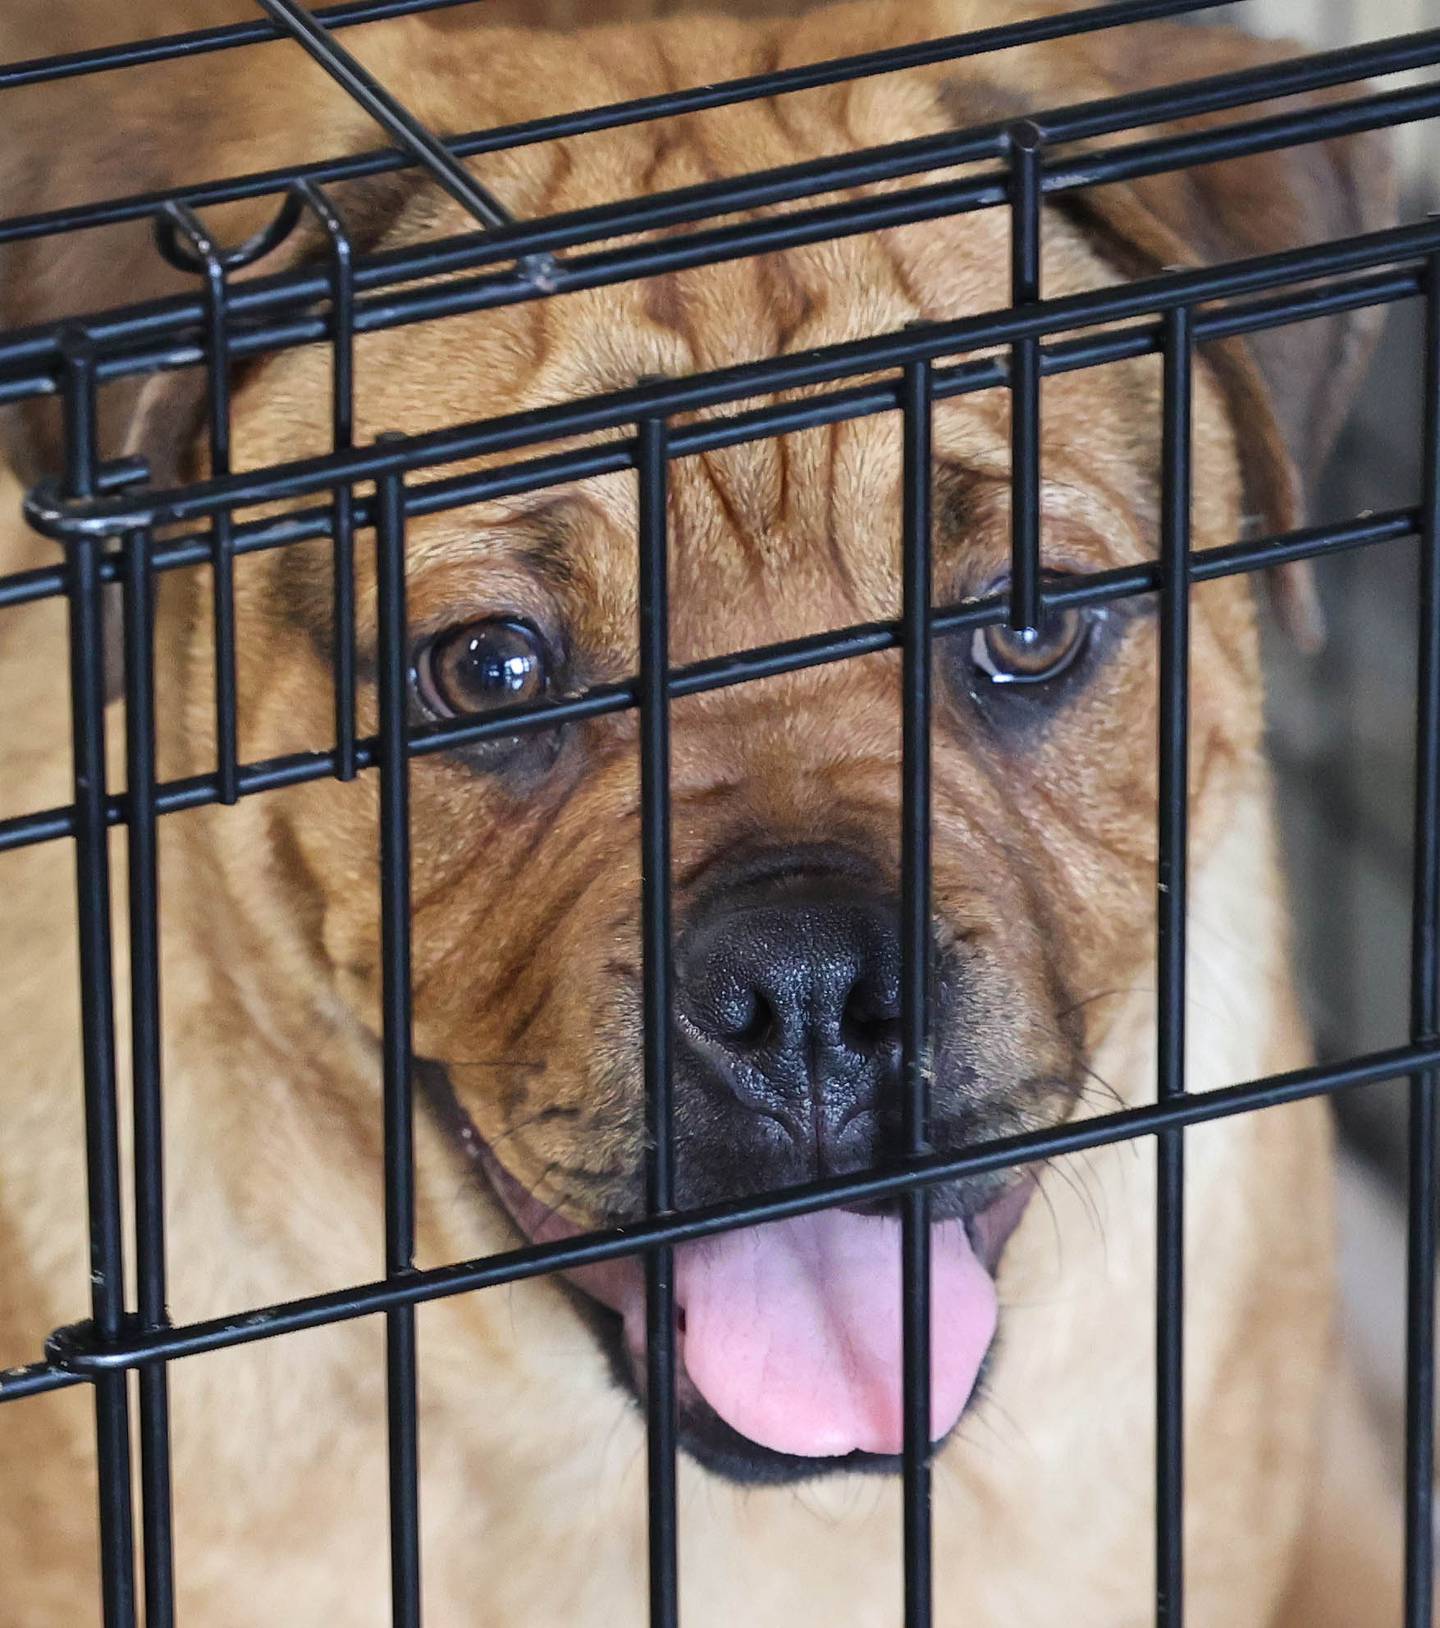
105, 515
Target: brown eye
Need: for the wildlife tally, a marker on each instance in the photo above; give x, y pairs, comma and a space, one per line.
1037, 656
481, 667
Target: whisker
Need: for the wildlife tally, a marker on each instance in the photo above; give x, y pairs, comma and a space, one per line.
1054, 1223
541, 1116
1109, 1090
988, 1415
1100, 995
1082, 1192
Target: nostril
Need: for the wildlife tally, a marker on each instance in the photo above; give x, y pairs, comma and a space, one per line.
749, 1022
870, 1021
795, 988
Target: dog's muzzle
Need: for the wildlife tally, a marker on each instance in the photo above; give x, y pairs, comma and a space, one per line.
786, 1069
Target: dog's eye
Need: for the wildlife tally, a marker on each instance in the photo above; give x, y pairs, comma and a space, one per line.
480, 667
1002, 655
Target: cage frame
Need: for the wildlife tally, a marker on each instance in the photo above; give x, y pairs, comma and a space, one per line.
374, 489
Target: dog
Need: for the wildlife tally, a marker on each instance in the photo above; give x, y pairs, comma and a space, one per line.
786, 798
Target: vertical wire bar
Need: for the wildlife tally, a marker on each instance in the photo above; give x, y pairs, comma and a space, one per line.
396, 1006
97, 995
217, 354
1025, 200
342, 438
227, 749
654, 633
915, 984
1424, 1018
1172, 836
145, 1031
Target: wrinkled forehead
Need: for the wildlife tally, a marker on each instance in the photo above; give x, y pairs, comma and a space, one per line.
780, 537
822, 502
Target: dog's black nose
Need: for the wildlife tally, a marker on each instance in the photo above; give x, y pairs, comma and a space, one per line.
793, 1002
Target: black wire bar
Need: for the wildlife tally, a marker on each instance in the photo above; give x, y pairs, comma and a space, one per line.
142, 854
120, 529
655, 906
916, 634
1424, 1017
1173, 803
169, 319
74, 1355
97, 998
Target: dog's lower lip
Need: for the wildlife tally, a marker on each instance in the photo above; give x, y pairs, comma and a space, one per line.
989, 1227
612, 1292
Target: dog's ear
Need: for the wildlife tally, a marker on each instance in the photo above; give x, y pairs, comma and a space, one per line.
1290, 388
159, 416
150, 129
148, 132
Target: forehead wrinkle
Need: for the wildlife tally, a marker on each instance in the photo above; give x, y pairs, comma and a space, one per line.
514, 557
1097, 514
721, 588
746, 486
1103, 491
863, 524
459, 553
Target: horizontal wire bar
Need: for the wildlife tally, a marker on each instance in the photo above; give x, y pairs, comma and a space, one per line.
1113, 115
71, 1352
1381, 110
34, 1379
701, 200
450, 299
202, 41
808, 76
1105, 116
727, 430
739, 667
103, 514
1292, 76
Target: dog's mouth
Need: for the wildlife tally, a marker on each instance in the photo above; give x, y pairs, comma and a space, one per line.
789, 1333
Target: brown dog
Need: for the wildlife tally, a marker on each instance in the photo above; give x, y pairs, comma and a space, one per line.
786, 857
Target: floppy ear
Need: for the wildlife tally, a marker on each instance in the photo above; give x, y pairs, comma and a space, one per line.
1290, 388
141, 131
153, 127
160, 416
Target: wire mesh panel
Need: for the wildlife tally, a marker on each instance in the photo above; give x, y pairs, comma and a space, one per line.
118, 529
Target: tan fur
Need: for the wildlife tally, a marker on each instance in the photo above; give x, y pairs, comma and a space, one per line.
525, 909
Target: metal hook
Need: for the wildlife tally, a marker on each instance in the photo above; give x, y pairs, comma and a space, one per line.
186, 243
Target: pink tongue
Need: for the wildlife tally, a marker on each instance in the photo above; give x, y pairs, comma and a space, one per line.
792, 1330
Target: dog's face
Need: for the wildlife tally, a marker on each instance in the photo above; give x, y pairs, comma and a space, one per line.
785, 793
786, 798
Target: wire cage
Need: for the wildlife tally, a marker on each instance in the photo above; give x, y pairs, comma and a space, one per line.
105, 514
